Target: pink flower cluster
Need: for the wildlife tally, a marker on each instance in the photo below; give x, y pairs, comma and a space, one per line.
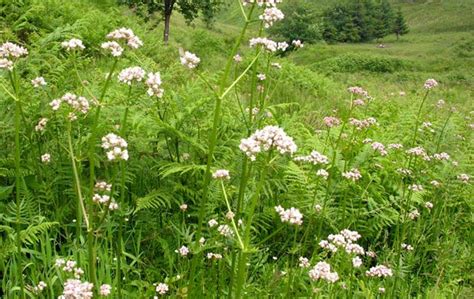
379, 271
271, 15
267, 44
221, 174
76, 289
127, 35
116, 146
131, 74
189, 60
270, 137
73, 44
322, 270
353, 174
291, 215
314, 158
364, 123
268, 3
331, 121
77, 103
9, 51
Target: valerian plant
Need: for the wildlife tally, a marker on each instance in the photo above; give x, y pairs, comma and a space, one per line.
130, 187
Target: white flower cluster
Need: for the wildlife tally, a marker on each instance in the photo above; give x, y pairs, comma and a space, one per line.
435, 183
225, 231
356, 262
8, 51
46, 158
38, 82
134, 73
322, 173
154, 85
379, 271
76, 289
183, 251
322, 270
363, 123
103, 186
407, 247
77, 103
39, 287
115, 49
442, 156
105, 290
212, 222
379, 147
359, 102
314, 158
266, 43
126, 34
6, 64
271, 15
413, 215
345, 239
353, 174
230, 215
41, 126
214, 256
189, 60
282, 46
116, 146
430, 83
331, 121
297, 44
419, 152
69, 266
463, 177
291, 215
304, 262
395, 146
237, 58
73, 44
11, 50
270, 137
221, 174
358, 90
415, 188
103, 196
162, 288
268, 3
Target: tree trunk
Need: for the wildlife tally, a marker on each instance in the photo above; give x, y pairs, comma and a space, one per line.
168, 10
166, 32
398, 35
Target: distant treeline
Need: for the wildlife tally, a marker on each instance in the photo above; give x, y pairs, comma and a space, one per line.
350, 21
362, 21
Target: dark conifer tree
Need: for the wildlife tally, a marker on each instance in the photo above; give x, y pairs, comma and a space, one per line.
400, 27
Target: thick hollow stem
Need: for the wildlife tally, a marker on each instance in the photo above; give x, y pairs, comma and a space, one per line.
242, 270
18, 180
212, 142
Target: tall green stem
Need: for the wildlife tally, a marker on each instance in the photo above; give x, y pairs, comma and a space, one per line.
18, 180
242, 268
442, 131
123, 131
212, 142
81, 209
95, 124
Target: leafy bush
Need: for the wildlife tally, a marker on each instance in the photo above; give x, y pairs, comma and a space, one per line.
300, 23
356, 63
